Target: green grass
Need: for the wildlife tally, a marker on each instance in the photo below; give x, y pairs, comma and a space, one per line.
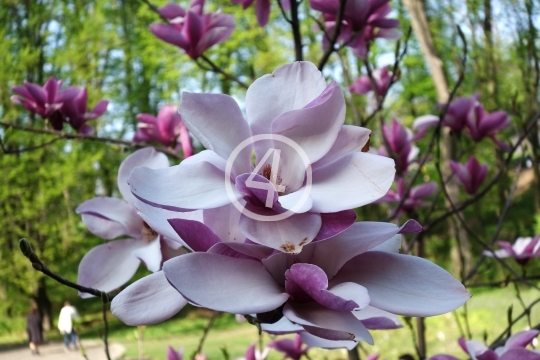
487, 314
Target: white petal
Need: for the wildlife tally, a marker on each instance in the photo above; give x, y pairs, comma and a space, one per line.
282, 326
150, 254
315, 341
108, 266
148, 157
194, 185
350, 138
222, 283
147, 301
218, 123
351, 181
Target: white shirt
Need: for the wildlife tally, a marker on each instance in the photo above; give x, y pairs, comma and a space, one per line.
65, 324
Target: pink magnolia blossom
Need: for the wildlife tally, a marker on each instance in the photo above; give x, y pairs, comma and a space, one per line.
415, 197
293, 103
321, 291
373, 357
45, 100
291, 348
363, 22
110, 265
174, 355
523, 250
513, 349
167, 129
482, 124
192, 30
74, 111
399, 140
472, 175
363, 84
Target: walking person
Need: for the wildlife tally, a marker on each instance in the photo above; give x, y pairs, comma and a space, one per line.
65, 325
34, 329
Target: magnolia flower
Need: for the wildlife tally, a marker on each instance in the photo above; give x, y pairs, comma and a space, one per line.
192, 30
291, 348
398, 139
166, 129
294, 106
472, 175
74, 111
482, 124
381, 78
524, 249
45, 101
514, 349
414, 198
363, 22
321, 291
174, 355
110, 265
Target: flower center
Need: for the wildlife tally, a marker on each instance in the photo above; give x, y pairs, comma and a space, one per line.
147, 233
274, 179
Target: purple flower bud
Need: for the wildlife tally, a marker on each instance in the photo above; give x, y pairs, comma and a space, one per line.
471, 174
481, 125
398, 138
173, 354
74, 112
292, 348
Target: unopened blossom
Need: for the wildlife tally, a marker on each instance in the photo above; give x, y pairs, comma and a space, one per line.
321, 291
291, 348
74, 112
415, 197
363, 84
191, 29
110, 265
523, 249
513, 349
398, 139
293, 103
45, 100
167, 129
471, 174
174, 355
363, 22
481, 125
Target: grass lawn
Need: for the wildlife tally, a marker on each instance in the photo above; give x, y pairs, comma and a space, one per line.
487, 314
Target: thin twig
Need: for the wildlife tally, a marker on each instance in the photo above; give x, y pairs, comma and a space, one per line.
30, 148
283, 12
297, 36
37, 264
335, 35
155, 9
105, 330
205, 332
70, 136
217, 69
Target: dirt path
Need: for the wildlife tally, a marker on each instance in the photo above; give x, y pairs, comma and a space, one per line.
55, 351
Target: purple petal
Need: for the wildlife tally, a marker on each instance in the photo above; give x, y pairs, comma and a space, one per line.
196, 235
38, 93
443, 357
222, 283
314, 316
99, 109
68, 94
361, 85
173, 354
170, 35
519, 354
377, 319
171, 11
262, 10
257, 190
108, 266
423, 288
147, 301
335, 223
521, 339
